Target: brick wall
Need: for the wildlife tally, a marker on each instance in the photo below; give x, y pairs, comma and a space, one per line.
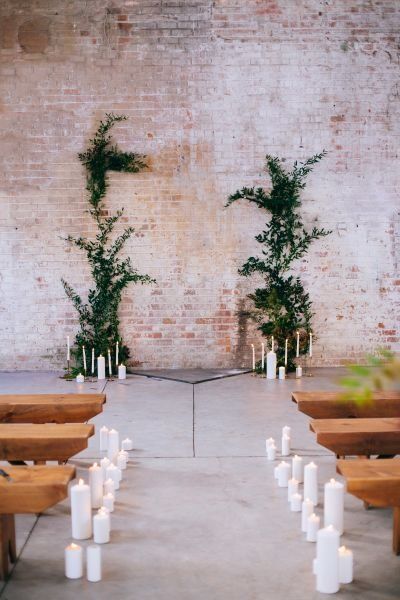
209, 88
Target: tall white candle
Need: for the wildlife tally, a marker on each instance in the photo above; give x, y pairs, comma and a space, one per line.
117, 354
297, 344
297, 468
262, 355
109, 363
295, 502
286, 351
334, 504
271, 452
68, 349
101, 526
73, 559
311, 482
113, 444
307, 509
92, 361
312, 527
101, 367
84, 359
345, 565
112, 472
327, 560
104, 438
122, 372
293, 488
254, 356
96, 485
310, 348
283, 474
81, 511
93, 563
271, 365
285, 445
286, 430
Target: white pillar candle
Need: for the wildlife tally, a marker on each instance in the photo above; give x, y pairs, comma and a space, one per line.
122, 372
254, 356
93, 563
262, 355
297, 468
286, 352
295, 502
121, 461
68, 349
299, 372
269, 442
311, 482
285, 445
345, 565
101, 526
310, 348
101, 367
96, 485
109, 363
81, 511
307, 509
297, 344
84, 359
80, 378
109, 487
104, 463
117, 354
104, 438
271, 365
92, 361
282, 374
283, 474
334, 505
126, 454
108, 502
127, 444
312, 527
293, 488
327, 566
286, 430
113, 444
271, 452
112, 472
73, 560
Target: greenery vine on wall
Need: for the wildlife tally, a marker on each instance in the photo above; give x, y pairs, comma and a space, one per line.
98, 316
281, 306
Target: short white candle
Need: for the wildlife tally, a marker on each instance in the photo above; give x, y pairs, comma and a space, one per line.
297, 344
109, 487
84, 359
311, 482
93, 563
68, 349
295, 502
101, 367
307, 509
113, 444
104, 463
81, 511
92, 361
121, 460
109, 363
345, 565
101, 526
312, 527
73, 560
327, 560
297, 468
283, 474
96, 485
285, 445
112, 472
299, 372
271, 452
282, 374
127, 444
254, 356
293, 488
262, 355
108, 502
334, 504
122, 372
80, 378
104, 438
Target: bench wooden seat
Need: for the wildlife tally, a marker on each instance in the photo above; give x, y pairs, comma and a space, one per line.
376, 482
30, 490
20, 441
358, 437
329, 405
50, 408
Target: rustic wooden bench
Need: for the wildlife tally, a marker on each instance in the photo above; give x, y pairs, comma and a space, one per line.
28, 490
358, 437
20, 441
50, 408
329, 405
376, 482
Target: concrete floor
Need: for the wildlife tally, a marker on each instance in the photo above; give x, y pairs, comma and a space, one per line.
198, 516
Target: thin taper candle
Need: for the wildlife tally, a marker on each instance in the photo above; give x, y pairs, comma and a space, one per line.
117, 354
298, 344
254, 357
262, 355
286, 349
92, 361
84, 359
109, 364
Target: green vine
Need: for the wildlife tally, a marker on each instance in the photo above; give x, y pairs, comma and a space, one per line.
282, 307
98, 316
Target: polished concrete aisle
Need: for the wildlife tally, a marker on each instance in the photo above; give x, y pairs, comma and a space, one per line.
198, 515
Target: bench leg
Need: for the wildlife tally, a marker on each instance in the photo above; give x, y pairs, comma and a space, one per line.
396, 530
8, 549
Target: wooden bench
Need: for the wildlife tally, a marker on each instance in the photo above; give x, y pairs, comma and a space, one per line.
358, 437
329, 405
376, 482
30, 490
50, 408
40, 443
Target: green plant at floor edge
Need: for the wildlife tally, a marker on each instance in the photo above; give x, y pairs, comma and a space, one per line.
98, 316
282, 306
381, 371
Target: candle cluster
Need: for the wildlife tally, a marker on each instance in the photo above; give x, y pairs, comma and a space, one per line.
99, 494
333, 564
101, 364
271, 360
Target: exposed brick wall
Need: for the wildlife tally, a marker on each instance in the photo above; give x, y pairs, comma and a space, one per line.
209, 88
